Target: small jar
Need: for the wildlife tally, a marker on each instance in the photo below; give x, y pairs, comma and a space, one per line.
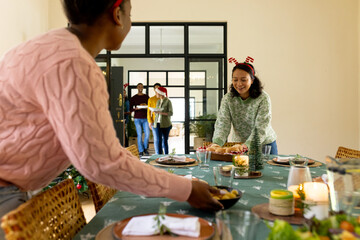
281, 202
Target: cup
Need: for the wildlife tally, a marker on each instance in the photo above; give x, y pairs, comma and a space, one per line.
237, 224
204, 158
223, 176
266, 149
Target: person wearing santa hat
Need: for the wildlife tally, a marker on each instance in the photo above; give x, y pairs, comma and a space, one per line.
163, 119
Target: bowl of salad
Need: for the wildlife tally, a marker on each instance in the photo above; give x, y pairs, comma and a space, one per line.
336, 227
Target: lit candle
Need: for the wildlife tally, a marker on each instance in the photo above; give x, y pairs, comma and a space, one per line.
317, 196
241, 161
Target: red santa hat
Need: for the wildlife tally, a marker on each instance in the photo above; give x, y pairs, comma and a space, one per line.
161, 91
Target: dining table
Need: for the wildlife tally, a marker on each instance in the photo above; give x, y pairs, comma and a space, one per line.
255, 191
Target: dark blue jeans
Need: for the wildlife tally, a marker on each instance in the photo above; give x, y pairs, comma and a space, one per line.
142, 124
274, 150
163, 134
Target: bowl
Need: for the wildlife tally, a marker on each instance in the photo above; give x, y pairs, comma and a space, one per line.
228, 203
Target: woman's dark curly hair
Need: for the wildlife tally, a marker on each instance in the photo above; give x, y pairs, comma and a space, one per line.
86, 11
256, 88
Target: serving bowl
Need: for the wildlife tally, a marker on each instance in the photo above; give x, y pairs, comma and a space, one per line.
228, 203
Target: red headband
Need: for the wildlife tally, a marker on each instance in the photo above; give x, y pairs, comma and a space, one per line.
116, 4
246, 63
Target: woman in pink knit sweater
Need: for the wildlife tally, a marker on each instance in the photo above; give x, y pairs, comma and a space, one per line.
54, 112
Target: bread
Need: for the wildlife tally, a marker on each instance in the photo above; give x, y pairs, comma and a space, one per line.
211, 149
220, 150
231, 149
214, 145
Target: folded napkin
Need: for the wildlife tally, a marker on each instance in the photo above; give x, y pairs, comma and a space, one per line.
282, 159
146, 226
175, 158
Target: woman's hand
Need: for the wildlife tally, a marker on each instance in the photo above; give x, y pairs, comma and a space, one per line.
200, 197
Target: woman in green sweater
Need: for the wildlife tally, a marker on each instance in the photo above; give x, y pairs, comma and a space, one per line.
245, 107
163, 119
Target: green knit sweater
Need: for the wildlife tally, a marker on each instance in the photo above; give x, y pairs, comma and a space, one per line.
244, 115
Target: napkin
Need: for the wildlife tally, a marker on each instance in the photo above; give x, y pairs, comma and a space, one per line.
282, 159
175, 158
146, 226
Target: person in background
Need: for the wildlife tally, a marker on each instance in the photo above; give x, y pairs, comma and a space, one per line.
151, 118
127, 114
55, 112
245, 107
163, 119
138, 104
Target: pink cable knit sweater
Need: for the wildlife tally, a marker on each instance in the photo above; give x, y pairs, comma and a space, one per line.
54, 112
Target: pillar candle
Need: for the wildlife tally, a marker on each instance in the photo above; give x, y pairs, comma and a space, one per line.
317, 195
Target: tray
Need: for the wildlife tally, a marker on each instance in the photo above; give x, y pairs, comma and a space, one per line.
263, 211
206, 230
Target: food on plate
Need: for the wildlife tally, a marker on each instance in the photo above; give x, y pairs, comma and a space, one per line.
336, 227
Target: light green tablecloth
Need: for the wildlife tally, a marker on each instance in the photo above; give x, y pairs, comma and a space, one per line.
255, 191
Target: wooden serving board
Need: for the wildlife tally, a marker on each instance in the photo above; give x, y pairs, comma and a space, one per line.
263, 211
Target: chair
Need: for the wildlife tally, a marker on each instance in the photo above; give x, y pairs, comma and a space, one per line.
344, 152
134, 151
53, 214
100, 194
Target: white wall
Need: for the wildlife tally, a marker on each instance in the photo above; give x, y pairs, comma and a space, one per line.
21, 20
306, 53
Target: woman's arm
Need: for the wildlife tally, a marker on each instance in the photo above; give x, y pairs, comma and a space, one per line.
223, 122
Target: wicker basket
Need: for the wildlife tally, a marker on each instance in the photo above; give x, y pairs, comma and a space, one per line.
219, 156
53, 214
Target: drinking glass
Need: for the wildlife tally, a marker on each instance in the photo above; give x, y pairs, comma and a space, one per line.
223, 176
298, 175
237, 224
204, 158
266, 149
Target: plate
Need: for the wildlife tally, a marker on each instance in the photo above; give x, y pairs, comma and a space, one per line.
206, 230
172, 162
141, 106
105, 233
286, 161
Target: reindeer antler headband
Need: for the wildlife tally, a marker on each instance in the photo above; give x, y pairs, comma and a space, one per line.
247, 63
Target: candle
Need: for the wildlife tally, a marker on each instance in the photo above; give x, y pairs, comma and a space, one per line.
317, 196
281, 202
242, 162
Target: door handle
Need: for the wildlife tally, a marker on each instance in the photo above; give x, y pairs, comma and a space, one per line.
120, 100
120, 121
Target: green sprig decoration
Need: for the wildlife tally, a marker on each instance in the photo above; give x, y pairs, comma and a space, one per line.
161, 216
301, 203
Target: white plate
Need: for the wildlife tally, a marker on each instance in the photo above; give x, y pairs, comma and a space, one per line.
155, 109
141, 107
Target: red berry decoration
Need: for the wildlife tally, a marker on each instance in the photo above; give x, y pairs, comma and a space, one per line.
78, 186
